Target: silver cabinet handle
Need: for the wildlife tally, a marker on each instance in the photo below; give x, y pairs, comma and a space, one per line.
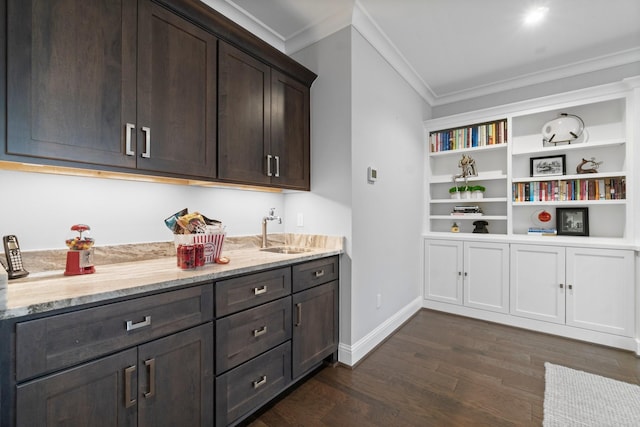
261, 331
561, 286
261, 290
151, 366
318, 273
262, 381
146, 322
269, 157
147, 142
129, 127
128, 400
298, 314
277, 166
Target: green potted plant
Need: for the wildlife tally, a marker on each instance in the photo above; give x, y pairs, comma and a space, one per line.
460, 192
477, 191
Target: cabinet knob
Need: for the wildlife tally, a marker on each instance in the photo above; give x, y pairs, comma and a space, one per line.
561, 286
570, 287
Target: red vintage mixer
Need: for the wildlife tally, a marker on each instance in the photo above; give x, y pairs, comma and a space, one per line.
80, 255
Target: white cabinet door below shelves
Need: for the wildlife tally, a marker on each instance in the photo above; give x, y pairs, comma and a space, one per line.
537, 282
443, 271
486, 276
601, 293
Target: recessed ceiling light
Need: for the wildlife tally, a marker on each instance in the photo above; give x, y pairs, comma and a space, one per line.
535, 15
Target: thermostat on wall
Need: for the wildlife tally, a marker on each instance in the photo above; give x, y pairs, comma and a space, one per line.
372, 174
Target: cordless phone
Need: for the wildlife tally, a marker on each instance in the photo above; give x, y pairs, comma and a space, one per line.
15, 268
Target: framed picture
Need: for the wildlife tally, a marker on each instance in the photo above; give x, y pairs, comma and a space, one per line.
572, 221
549, 165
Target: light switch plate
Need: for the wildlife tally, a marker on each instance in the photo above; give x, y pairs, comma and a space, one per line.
372, 175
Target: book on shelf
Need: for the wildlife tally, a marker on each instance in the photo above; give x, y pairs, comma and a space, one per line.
467, 214
477, 135
613, 188
533, 231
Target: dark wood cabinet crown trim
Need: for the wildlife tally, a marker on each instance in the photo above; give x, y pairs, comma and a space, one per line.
231, 32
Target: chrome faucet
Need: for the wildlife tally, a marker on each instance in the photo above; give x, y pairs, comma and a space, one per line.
271, 217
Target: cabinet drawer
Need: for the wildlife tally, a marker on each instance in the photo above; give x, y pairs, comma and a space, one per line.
241, 336
244, 292
249, 386
314, 273
63, 340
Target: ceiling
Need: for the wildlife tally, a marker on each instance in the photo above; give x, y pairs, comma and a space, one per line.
456, 49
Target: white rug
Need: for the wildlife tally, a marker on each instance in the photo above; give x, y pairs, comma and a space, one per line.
577, 398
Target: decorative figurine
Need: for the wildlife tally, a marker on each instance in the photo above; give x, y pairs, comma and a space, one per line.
468, 166
588, 166
455, 228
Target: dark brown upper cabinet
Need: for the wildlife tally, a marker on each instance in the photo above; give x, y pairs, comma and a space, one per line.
263, 123
118, 83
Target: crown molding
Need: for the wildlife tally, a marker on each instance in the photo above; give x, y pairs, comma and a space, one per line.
360, 19
249, 22
582, 67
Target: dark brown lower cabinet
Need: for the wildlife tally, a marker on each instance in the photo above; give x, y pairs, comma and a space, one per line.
166, 382
247, 387
315, 327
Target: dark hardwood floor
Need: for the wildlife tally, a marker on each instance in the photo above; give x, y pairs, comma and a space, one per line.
445, 370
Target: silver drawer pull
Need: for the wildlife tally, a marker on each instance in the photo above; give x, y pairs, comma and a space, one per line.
262, 381
146, 322
318, 273
261, 331
259, 291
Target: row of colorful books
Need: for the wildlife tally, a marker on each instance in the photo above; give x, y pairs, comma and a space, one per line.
542, 231
469, 137
572, 189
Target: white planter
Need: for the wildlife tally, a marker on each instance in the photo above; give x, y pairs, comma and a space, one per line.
455, 195
477, 194
466, 194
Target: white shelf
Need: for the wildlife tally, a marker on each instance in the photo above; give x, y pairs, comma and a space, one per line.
570, 203
568, 147
468, 150
468, 218
570, 177
458, 201
482, 176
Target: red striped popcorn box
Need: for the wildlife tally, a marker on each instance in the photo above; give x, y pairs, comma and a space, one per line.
212, 245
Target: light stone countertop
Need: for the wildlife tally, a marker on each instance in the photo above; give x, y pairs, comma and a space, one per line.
51, 290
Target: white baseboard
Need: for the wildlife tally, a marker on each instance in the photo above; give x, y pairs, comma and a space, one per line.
351, 354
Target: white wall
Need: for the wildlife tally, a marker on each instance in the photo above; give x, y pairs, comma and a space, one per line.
387, 116
45, 206
327, 208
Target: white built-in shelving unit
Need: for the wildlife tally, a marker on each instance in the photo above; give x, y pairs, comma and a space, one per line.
578, 286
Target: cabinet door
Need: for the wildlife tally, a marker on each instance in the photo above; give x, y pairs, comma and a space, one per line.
486, 276
244, 100
94, 394
176, 379
601, 290
538, 282
71, 74
176, 125
315, 327
289, 131
443, 271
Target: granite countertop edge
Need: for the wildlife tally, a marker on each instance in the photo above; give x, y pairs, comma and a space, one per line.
48, 291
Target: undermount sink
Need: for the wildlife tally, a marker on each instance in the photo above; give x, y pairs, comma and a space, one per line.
286, 250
